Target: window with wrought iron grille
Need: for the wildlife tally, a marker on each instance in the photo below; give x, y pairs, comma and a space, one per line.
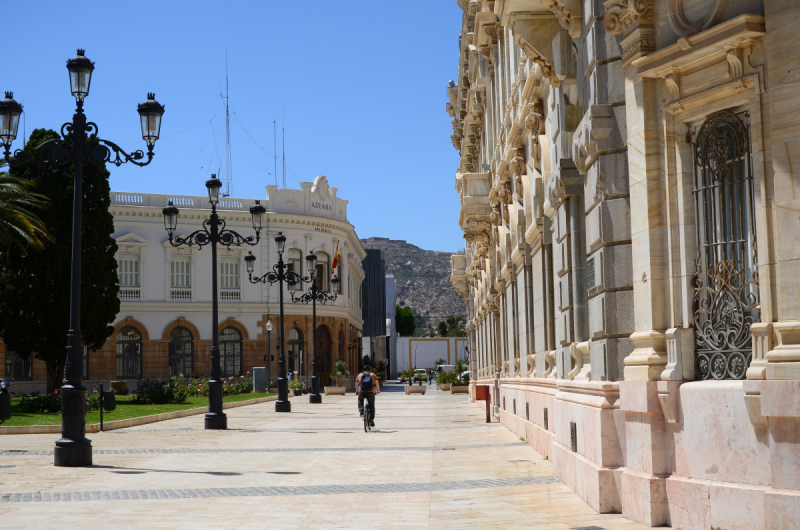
229, 274
230, 352
180, 272
181, 352
129, 353
18, 368
726, 294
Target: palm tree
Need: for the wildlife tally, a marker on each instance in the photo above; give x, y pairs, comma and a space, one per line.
18, 224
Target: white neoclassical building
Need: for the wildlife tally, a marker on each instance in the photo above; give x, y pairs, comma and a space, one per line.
164, 324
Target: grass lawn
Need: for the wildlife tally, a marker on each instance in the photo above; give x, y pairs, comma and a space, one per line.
126, 408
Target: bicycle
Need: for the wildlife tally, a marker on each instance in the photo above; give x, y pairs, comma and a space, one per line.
367, 426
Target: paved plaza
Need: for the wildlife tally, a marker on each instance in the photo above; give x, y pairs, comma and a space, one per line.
431, 462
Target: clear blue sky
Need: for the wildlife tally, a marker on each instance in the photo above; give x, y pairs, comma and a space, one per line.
361, 85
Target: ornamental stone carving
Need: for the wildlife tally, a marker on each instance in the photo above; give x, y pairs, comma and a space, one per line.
623, 14
568, 16
634, 19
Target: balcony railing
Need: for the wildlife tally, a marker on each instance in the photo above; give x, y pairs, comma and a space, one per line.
180, 294
130, 293
230, 295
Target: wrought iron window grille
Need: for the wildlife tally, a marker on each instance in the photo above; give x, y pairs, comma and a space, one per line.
726, 291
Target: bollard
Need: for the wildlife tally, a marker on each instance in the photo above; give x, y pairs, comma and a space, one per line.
488, 406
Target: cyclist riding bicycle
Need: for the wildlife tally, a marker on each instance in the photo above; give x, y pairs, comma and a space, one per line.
366, 387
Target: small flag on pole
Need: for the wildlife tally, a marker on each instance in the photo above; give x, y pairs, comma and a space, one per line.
335, 259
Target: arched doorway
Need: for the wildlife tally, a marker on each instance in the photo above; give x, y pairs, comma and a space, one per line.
230, 352
324, 355
129, 353
181, 352
295, 350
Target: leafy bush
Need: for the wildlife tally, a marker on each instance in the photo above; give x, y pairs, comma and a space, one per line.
273, 384
380, 370
198, 387
236, 385
93, 400
158, 392
295, 384
37, 402
339, 371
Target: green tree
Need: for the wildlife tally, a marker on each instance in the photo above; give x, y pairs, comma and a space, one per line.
453, 326
19, 225
35, 288
405, 322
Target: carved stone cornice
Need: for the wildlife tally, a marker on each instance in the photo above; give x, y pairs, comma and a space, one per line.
624, 14
634, 20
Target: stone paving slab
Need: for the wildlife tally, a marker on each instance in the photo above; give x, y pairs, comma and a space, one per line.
430, 462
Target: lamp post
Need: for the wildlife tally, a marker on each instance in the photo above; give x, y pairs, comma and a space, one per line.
278, 275
73, 449
269, 352
214, 232
313, 295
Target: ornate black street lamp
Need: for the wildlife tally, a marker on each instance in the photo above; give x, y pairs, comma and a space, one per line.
214, 232
313, 295
278, 275
73, 449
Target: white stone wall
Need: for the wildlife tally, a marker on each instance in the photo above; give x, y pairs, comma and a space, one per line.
313, 219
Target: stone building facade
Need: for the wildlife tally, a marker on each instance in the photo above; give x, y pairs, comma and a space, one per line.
627, 180
164, 325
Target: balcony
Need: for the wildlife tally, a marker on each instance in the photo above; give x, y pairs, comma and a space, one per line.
130, 293
230, 295
180, 294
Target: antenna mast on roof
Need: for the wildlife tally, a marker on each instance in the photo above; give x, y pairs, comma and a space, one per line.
227, 178
275, 148
283, 133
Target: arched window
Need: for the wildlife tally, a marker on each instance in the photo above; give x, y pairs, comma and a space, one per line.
324, 352
726, 298
323, 271
341, 345
294, 262
181, 352
295, 350
129, 353
324, 355
230, 352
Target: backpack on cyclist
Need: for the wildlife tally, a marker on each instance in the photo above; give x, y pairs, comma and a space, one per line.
366, 383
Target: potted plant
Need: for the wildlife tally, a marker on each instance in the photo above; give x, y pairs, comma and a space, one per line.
297, 386
339, 371
408, 375
443, 380
460, 378
273, 386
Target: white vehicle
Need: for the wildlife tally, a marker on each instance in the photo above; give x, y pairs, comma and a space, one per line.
446, 368
421, 372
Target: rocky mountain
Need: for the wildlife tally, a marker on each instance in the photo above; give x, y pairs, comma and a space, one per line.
423, 280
